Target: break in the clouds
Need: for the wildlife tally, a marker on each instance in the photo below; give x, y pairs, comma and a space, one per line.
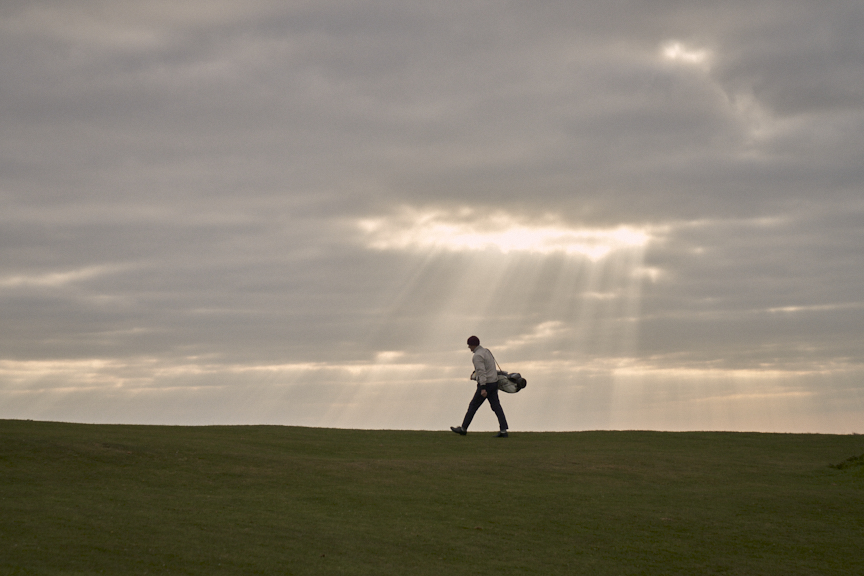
296, 213
471, 231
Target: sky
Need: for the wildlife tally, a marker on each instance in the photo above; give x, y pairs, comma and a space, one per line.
295, 213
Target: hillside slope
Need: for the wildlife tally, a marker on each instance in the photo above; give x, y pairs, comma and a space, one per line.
88, 499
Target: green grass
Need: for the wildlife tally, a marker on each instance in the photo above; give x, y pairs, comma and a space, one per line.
92, 499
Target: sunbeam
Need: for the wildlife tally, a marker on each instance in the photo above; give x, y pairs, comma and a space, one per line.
541, 295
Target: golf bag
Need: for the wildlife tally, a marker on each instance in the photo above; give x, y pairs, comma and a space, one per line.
511, 382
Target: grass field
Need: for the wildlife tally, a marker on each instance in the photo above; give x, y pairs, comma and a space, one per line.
94, 499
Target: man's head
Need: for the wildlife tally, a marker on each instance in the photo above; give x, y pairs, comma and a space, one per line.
473, 342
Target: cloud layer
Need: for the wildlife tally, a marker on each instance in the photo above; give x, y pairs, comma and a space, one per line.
297, 213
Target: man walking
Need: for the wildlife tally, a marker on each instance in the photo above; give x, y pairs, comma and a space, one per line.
487, 388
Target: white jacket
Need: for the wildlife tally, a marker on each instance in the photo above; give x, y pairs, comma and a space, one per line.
484, 366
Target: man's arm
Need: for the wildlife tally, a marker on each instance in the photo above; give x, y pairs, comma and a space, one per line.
479, 369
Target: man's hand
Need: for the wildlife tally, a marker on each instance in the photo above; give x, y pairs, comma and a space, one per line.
483, 393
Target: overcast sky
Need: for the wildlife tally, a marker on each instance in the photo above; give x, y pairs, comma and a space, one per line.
297, 212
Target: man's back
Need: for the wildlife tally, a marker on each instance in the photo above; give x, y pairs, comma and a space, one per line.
484, 365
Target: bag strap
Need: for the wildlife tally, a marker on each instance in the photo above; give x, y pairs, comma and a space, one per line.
496, 361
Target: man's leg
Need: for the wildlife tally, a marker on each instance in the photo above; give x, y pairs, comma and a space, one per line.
495, 404
475, 403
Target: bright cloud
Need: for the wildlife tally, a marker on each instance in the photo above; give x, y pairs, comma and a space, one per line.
54, 279
417, 231
678, 52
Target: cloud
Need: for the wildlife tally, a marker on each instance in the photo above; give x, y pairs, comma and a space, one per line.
414, 230
678, 52
364, 185
53, 279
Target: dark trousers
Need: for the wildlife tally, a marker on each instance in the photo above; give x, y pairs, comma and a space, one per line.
491, 395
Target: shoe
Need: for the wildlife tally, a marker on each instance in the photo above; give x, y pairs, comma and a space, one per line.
458, 430
502, 434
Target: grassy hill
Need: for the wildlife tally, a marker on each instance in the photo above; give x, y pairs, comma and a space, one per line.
93, 499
